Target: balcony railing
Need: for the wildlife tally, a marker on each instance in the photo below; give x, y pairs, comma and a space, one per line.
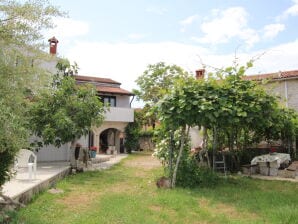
119, 114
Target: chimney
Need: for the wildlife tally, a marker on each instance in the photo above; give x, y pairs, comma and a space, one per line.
200, 73
53, 45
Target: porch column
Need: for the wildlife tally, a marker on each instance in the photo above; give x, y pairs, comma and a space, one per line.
96, 141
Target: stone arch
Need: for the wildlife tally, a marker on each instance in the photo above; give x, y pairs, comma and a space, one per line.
119, 133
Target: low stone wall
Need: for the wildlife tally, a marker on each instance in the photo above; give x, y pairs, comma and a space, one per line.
26, 196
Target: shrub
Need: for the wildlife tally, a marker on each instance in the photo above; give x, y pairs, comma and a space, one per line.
191, 175
132, 137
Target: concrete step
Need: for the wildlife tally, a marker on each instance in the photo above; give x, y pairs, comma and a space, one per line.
101, 159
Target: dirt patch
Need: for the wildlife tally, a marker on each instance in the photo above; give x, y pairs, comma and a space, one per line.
155, 208
143, 162
76, 201
122, 187
226, 209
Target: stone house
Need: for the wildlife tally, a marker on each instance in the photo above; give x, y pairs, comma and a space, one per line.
283, 84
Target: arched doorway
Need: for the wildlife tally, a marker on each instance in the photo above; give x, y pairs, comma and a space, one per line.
110, 141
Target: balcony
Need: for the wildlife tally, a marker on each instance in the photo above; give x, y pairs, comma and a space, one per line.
120, 114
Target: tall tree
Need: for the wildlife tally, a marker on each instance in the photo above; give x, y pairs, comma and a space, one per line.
157, 80
21, 26
65, 110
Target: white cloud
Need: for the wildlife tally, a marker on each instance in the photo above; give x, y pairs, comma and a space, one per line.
279, 58
291, 11
66, 27
124, 62
272, 30
136, 36
189, 20
227, 24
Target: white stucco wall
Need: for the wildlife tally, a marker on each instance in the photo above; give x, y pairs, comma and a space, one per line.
123, 101
196, 137
52, 153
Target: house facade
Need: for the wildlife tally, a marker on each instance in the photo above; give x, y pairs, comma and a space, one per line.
283, 84
108, 138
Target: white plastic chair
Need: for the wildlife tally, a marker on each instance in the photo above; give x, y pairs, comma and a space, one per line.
26, 158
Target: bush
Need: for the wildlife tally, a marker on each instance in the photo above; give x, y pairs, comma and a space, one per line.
191, 175
132, 137
148, 133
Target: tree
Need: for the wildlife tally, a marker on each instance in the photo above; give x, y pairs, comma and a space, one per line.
157, 80
132, 132
238, 112
65, 112
21, 41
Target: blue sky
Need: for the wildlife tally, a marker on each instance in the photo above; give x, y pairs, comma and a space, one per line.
118, 39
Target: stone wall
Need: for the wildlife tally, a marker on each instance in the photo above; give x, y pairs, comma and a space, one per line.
146, 143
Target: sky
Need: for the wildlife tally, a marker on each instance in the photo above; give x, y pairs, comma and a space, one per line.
117, 39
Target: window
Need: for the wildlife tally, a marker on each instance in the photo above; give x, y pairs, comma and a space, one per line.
109, 100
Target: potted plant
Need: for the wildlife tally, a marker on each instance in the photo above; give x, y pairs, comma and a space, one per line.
92, 151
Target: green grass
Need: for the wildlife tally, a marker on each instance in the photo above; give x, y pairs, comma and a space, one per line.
127, 194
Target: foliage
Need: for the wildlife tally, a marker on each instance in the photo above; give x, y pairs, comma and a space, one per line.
65, 113
132, 132
13, 136
156, 80
148, 133
237, 112
21, 25
189, 173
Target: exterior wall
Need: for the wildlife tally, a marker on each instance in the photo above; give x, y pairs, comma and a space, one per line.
123, 101
52, 153
118, 114
84, 140
292, 86
196, 138
286, 90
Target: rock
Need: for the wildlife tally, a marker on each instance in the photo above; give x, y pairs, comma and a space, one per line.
163, 182
55, 191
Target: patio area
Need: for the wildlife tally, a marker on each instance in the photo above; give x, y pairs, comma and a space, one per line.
21, 188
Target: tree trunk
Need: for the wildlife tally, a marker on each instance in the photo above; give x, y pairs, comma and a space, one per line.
214, 146
183, 137
204, 150
171, 155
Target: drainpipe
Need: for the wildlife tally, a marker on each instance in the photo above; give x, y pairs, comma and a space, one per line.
131, 100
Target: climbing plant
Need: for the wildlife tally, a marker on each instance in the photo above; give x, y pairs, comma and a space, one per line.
236, 111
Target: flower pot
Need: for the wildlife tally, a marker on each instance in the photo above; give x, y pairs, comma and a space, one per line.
92, 153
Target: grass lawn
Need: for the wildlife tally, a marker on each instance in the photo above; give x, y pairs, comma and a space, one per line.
127, 194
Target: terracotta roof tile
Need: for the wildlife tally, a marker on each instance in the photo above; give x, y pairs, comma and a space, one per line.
116, 90
95, 79
274, 76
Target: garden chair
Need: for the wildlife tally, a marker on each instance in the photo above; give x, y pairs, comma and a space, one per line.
26, 158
